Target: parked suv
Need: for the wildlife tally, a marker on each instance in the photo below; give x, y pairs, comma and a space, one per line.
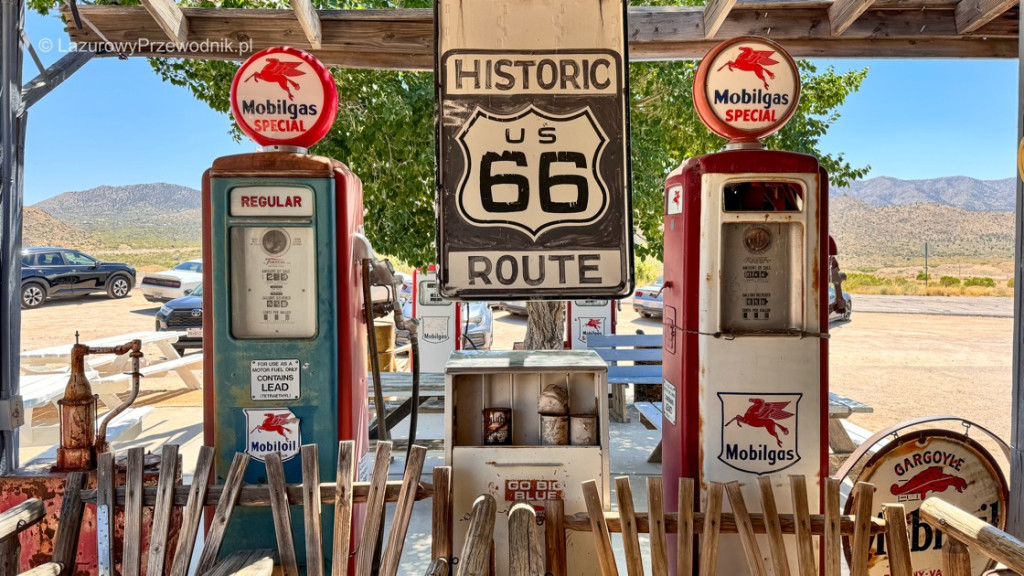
49, 272
186, 314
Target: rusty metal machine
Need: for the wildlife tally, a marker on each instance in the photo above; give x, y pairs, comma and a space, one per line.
80, 438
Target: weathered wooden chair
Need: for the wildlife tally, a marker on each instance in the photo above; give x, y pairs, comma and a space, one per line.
168, 499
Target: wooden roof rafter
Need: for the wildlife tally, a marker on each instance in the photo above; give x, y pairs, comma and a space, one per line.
404, 39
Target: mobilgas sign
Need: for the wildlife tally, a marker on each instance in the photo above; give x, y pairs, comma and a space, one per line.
533, 168
746, 88
283, 96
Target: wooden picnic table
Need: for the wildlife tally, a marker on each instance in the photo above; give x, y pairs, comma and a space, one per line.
399, 385
46, 372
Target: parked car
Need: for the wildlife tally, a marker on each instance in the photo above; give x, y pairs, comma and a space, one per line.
514, 307
405, 288
834, 316
184, 314
477, 326
49, 272
647, 300
173, 283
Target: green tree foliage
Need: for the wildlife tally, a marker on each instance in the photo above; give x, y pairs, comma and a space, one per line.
385, 131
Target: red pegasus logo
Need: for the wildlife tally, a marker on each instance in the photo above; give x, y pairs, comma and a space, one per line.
277, 71
594, 323
276, 423
755, 61
929, 480
675, 196
764, 415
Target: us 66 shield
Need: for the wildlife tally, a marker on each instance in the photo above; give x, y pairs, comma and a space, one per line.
533, 173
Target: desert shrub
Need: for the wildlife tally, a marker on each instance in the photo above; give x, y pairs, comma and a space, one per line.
856, 280
921, 277
949, 281
983, 281
1009, 283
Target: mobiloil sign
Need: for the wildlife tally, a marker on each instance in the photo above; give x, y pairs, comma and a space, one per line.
285, 332
745, 367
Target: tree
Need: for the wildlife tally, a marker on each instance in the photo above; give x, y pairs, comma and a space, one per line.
385, 129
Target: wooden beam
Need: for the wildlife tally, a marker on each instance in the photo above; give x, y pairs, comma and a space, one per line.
973, 14
404, 39
843, 13
715, 14
170, 18
309, 20
60, 71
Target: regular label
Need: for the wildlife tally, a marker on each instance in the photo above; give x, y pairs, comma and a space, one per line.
275, 379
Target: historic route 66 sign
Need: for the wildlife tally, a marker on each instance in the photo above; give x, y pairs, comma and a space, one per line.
533, 163
548, 161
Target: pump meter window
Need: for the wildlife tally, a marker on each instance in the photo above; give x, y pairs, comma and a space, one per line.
273, 282
763, 197
429, 295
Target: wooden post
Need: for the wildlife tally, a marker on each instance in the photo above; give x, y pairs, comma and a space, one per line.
630, 537
311, 510
956, 559
343, 508
780, 561
222, 515
684, 527
863, 500
193, 512
476, 550
745, 529
105, 512
965, 527
162, 509
833, 522
656, 511
374, 507
802, 516
282, 514
554, 537
441, 523
438, 567
897, 543
131, 564
599, 526
710, 535
403, 511
526, 552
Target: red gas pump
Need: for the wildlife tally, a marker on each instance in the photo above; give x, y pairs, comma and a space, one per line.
745, 300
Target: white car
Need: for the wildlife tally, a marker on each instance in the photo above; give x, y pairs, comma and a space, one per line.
174, 283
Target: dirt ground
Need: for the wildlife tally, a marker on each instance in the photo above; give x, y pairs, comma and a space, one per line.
904, 366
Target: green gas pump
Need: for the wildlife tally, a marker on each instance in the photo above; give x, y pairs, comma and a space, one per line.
284, 329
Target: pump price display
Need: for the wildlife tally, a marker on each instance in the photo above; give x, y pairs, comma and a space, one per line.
532, 159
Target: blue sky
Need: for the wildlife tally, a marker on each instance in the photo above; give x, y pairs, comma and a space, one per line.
115, 122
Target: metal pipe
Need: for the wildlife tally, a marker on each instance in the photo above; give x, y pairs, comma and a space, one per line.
135, 349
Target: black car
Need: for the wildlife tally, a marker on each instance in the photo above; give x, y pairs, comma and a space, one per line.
184, 314
48, 272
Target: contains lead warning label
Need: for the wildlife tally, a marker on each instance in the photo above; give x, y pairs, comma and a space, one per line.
275, 379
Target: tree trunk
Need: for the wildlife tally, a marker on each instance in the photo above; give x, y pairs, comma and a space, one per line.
545, 325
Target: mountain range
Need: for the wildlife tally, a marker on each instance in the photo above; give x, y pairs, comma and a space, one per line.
877, 222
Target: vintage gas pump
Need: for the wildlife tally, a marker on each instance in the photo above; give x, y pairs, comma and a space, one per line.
745, 358
586, 317
440, 321
285, 327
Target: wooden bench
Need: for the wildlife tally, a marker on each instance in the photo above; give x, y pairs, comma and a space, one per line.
108, 386
632, 359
